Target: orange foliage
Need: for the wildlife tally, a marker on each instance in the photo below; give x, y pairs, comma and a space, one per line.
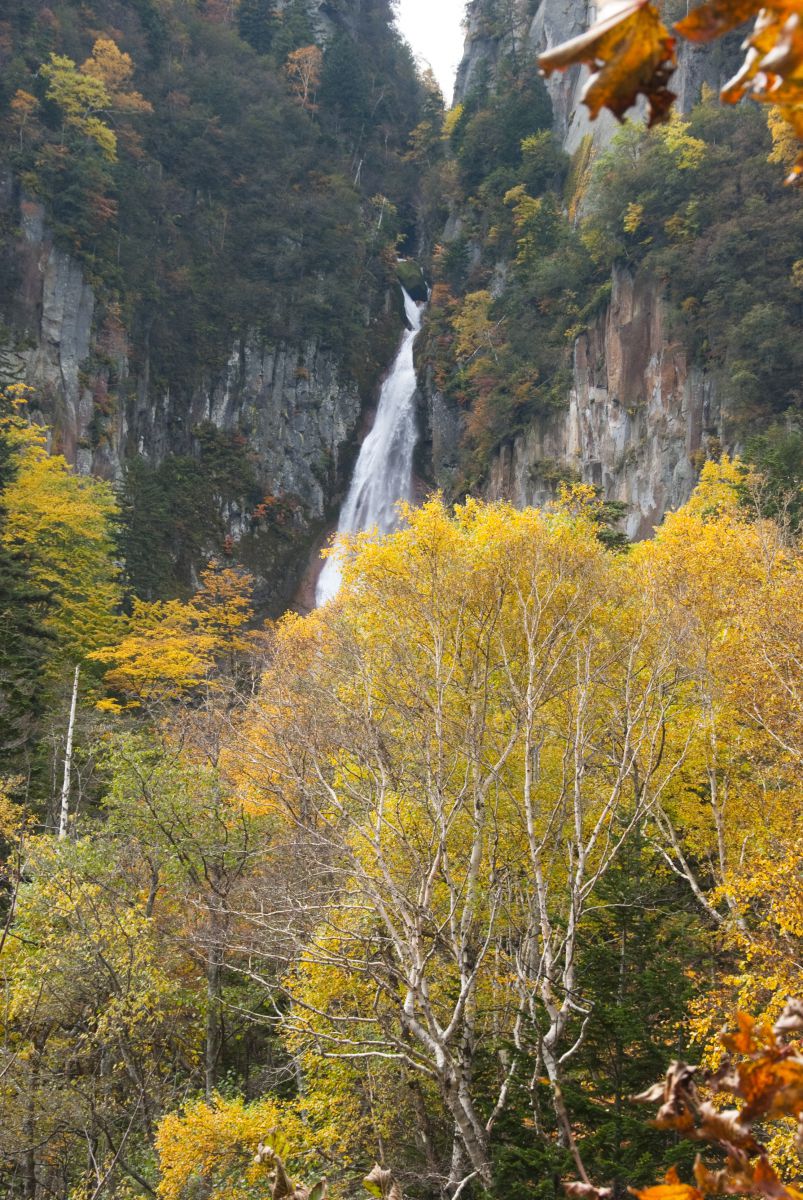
303, 68
768, 1080
631, 52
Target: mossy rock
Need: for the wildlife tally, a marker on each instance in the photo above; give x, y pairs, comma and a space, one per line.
411, 277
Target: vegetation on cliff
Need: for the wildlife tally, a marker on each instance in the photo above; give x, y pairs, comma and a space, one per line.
443, 874
222, 178
695, 204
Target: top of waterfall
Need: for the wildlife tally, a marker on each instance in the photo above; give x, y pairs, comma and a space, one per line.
383, 473
412, 311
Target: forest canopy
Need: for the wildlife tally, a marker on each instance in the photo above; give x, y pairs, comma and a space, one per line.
458, 870
442, 873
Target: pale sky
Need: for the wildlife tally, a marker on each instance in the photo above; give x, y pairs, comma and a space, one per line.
434, 30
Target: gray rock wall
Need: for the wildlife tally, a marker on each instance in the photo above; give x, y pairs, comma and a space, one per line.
51, 313
639, 416
556, 21
638, 420
293, 405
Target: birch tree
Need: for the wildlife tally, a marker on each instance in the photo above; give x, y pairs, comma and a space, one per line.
463, 742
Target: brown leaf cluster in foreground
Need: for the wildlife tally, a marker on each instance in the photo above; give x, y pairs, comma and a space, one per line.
631, 53
767, 1079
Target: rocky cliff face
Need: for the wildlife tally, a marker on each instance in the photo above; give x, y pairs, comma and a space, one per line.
296, 411
53, 311
638, 421
555, 21
639, 417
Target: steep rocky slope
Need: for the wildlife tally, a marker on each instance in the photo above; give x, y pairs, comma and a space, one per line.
645, 398
639, 419
291, 410
493, 30
204, 318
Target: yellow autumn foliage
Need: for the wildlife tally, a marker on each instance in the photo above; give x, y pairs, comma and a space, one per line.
63, 524
732, 586
171, 647
212, 1144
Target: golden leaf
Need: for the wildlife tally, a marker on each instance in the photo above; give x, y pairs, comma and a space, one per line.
711, 20
743, 1041
633, 53
772, 70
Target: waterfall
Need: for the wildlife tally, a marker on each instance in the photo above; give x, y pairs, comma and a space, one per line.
384, 472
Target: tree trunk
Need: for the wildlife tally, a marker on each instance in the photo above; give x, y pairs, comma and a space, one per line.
29, 1130
64, 815
565, 1132
471, 1134
214, 993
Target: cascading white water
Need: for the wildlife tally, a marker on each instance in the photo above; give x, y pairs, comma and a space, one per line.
384, 472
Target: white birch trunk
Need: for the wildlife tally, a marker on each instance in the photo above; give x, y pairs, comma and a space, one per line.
64, 815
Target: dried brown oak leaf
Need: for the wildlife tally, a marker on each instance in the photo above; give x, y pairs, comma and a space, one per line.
382, 1184
749, 1037
631, 53
587, 1191
773, 68
770, 1080
735, 1179
677, 1095
771, 1088
765, 1182
773, 65
791, 1019
724, 1125
740, 1177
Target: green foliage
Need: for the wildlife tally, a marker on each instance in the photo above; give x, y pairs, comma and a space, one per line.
695, 203
412, 279
778, 456
525, 1165
294, 29
489, 135
95, 981
256, 22
508, 169
174, 514
644, 925
24, 639
345, 91
227, 211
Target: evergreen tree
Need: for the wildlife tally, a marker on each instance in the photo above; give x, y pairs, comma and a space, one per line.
643, 925
256, 21
294, 29
345, 87
23, 639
